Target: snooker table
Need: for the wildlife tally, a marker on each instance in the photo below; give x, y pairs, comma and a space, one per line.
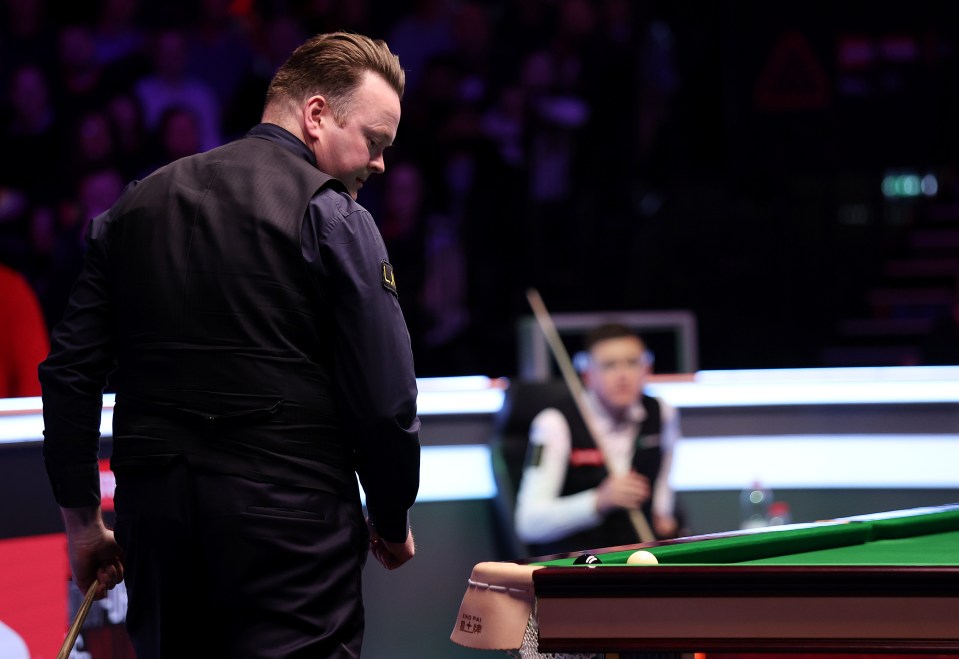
881, 583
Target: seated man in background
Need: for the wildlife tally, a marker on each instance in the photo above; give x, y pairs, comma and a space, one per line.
567, 499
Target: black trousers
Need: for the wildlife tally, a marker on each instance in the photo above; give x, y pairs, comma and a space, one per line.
223, 566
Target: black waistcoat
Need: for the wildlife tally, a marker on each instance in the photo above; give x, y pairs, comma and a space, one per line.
223, 340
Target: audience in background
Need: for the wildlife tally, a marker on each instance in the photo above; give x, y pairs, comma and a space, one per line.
27, 34
177, 135
401, 214
498, 97
92, 135
132, 148
117, 34
220, 50
423, 33
171, 84
30, 135
81, 77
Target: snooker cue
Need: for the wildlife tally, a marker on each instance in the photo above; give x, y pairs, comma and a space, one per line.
546, 325
78, 619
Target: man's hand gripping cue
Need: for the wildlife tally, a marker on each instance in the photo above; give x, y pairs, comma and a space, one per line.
628, 491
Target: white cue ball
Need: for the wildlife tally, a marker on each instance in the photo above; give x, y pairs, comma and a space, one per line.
641, 557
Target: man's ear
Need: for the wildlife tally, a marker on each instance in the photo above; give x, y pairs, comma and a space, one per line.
313, 116
584, 374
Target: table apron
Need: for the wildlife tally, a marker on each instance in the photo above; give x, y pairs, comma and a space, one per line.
843, 620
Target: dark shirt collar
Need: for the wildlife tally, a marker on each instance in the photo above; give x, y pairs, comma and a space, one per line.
283, 137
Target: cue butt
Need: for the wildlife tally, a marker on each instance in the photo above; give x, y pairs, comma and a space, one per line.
78, 619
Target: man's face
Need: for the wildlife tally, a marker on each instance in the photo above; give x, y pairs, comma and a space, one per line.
351, 151
617, 371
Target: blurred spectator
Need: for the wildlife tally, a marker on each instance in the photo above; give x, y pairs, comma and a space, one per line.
117, 34
178, 135
97, 191
280, 34
24, 340
556, 115
493, 265
504, 122
94, 146
131, 146
54, 262
426, 251
445, 293
465, 276
30, 137
357, 15
30, 133
401, 220
430, 107
471, 50
521, 26
80, 83
435, 248
632, 51
26, 36
14, 211
555, 86
57, 237
658, 84
425, 32
171, 85
220, 50
120, 44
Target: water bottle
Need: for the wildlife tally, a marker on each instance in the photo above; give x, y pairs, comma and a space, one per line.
779, 513
754, 503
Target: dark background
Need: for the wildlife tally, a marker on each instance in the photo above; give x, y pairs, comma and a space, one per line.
731, 163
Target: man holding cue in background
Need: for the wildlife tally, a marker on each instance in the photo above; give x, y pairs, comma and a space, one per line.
583, 477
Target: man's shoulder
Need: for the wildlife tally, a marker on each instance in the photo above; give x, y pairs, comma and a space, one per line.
664, 406
549, 426
336, 206
550, 415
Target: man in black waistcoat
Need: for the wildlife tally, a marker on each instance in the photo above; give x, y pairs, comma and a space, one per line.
243, 308
567, 498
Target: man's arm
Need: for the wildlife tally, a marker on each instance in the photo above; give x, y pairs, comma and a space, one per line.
374, 372
74, 375
72, 378
542, 515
